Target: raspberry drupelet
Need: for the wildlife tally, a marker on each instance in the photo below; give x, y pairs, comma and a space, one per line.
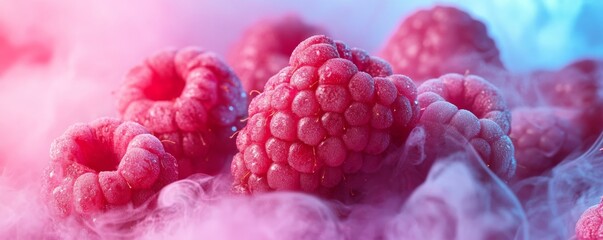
330, 114
192, 101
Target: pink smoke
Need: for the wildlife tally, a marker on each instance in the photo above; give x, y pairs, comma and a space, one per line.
60, 63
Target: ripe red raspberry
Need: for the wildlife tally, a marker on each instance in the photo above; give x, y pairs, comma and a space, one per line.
542, 138
328, 115
265, 48
191, 101
104, 164
590, 224
578, 86
477, 110
441, 40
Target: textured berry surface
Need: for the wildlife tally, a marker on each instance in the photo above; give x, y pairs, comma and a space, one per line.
328, 115
476, 109
590, 224
541, 138
191, 101
265, 48
104, 164
577, 86
440, 40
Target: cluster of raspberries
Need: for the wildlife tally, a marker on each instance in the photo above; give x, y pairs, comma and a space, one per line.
179, 110
324, 113
334, 111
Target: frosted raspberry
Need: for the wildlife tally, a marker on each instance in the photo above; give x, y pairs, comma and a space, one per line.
590, 224
433, 42
330, 114
578, 86
104, 164
265, 48
477, 110
541, 138
191, 101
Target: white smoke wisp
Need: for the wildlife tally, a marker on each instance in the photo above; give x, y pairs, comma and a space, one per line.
555, 201
460, 199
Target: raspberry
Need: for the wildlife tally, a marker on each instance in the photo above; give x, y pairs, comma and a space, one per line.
477, 110
328, 115
265, 48
541, 139
590, 224
105, 164
577, 86
441, 40
191, 101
